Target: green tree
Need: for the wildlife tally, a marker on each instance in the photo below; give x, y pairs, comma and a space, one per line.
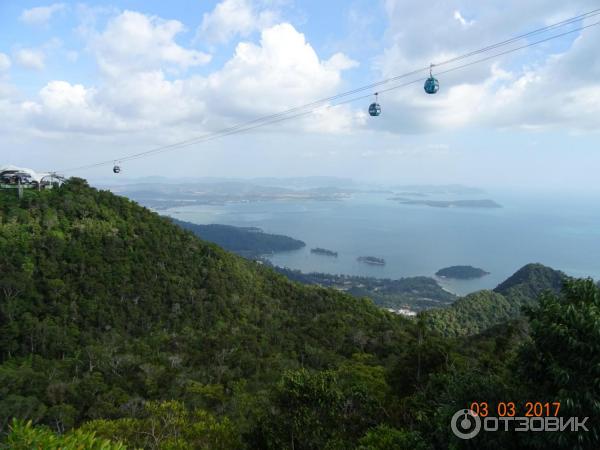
169, 426
562, 360
306, 407
384, 437
329, 409
24, 436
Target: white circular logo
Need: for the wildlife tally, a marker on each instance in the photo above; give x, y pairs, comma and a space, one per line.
465, 424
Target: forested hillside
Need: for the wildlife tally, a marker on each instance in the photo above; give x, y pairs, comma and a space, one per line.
119, 328
105, 305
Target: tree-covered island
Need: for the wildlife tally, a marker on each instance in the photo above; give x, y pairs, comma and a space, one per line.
323, 251
461, 272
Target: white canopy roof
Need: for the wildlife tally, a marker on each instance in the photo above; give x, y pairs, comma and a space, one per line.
34, 175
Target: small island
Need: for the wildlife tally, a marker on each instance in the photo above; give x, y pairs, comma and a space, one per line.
371, 260
323, 251
461, 272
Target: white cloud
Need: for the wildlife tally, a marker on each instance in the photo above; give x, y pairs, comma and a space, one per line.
339, 62
336, 120
4, 62
531, 99
465, 23
69, 107
41, 15
134, 52
148, 100
30, 58
134, 42
281, 72
60, 94
231, 18
141, 102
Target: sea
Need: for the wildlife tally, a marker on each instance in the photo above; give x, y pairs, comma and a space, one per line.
559, 230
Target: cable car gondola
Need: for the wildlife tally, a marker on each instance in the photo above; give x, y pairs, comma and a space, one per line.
375, 108
432, 85
116, 168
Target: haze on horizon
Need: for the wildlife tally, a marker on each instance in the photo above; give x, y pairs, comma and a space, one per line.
88, 82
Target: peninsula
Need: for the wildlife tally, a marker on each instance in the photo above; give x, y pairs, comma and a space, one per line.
250, 242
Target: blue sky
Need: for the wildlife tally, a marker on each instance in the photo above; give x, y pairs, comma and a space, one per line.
82, 82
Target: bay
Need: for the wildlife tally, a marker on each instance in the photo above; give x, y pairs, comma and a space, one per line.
559, 230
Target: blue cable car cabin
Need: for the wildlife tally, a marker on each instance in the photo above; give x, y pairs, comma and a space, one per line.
375, 108
432, 85
116, 169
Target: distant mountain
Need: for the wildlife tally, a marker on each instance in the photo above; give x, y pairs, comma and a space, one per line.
293, 183
194, 189
485, 203
444, 189
307, 182
530, 281
164, 196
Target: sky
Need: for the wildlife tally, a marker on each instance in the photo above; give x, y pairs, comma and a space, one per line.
84, 82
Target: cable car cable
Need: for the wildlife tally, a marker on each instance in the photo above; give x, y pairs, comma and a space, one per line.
284, 115
354, 99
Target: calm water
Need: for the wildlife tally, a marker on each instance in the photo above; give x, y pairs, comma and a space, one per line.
560, 231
